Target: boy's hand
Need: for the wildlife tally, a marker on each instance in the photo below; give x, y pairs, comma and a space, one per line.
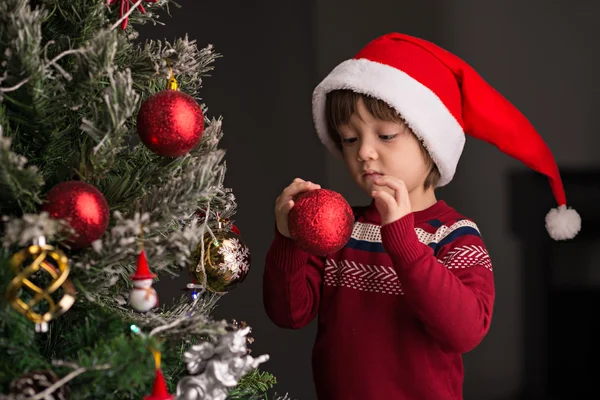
391, 207
285, 202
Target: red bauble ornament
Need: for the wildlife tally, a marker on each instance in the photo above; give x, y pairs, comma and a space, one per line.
321, 221
170, 123
83, 207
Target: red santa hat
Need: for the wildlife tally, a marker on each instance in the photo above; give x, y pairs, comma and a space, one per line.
159, 390
442, 98
142, 271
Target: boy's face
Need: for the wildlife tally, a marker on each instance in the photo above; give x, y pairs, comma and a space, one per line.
373, 147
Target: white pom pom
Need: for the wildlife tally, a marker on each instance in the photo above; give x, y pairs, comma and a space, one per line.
563, 223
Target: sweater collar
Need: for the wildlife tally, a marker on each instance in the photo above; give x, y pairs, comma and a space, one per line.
433, 212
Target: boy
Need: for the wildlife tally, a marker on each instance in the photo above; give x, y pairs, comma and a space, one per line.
413, 289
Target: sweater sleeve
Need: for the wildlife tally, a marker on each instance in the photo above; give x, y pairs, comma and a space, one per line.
291, 284
453, 293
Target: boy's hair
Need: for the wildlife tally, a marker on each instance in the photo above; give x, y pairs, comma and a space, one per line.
341, 104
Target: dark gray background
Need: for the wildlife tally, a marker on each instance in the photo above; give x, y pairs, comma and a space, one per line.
543, 56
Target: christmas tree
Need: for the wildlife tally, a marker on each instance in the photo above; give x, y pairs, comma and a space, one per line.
110, 176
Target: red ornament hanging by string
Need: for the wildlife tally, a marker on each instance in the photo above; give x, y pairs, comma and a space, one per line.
83, 207
170, 123
125, 7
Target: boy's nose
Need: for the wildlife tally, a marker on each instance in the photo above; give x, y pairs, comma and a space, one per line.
366, 152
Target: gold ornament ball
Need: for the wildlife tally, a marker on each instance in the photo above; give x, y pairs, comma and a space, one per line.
27, 264
226, 261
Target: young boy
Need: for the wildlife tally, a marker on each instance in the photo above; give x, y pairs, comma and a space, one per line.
413, 289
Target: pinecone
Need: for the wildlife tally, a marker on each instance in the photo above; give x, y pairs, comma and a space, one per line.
235, 325
35, 382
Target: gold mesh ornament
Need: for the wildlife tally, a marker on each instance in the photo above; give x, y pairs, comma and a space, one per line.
46, 259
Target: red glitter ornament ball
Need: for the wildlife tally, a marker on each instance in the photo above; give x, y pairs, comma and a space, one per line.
321, 221
83, 207
170, 123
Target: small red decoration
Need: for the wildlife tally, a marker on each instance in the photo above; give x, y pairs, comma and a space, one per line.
170, 123
143, 296
142, 271
125, 4
321, 221
83, 207
159, 390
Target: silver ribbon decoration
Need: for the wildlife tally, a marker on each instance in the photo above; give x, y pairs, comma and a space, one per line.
217, 368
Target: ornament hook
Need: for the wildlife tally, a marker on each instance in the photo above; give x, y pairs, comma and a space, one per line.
156, 355
172, 83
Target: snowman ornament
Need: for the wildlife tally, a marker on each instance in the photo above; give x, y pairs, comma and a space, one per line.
143, 297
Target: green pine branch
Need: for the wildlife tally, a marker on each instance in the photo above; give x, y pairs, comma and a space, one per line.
253, 385
20, 183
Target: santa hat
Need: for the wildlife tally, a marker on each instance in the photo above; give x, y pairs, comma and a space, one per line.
442, 98
159, 390
142, 271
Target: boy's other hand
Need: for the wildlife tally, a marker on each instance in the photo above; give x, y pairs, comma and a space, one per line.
285, 202
391, 207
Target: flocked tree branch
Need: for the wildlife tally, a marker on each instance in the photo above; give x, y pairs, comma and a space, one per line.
71, 84
20, 183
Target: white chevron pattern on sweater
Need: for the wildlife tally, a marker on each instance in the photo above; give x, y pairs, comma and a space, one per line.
369, 278
383, 279
467, 256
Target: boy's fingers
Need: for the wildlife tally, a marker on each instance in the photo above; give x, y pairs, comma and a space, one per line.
398, 186
385, 198
289, 205
285, 201
401, 194
296, 188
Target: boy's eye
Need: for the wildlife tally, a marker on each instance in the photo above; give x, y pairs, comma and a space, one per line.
348, 140
387, 137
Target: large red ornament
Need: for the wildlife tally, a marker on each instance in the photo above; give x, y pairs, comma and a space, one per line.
321, 221
170, 123
83, 207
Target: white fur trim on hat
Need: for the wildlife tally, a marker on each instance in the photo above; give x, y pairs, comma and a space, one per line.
422, 109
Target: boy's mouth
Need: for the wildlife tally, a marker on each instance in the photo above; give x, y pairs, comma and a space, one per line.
371, 174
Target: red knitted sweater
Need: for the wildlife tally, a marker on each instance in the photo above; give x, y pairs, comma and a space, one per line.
397, 306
